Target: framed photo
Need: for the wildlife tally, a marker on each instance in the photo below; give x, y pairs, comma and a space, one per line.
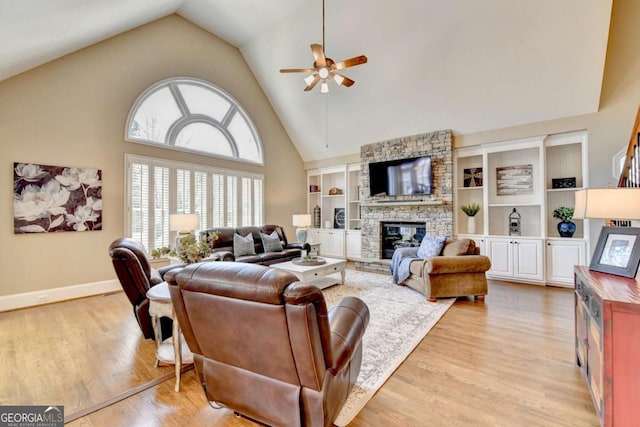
617, 251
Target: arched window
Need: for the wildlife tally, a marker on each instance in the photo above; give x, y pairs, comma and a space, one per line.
194, 115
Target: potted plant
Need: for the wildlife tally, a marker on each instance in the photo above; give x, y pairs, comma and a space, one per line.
471, 211
160, 252
192, 250
566, 227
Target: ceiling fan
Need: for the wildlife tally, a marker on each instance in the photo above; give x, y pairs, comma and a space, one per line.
324, 68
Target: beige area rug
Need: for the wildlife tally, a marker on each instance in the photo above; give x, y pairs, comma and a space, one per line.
400, 319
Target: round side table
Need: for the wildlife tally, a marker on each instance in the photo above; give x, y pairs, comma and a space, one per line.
174, 351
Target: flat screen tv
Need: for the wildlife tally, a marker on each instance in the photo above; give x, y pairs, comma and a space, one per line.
400, 177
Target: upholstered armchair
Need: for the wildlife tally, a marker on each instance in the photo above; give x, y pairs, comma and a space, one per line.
264, 345
136, 276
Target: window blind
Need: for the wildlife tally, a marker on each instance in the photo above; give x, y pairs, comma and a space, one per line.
155, 188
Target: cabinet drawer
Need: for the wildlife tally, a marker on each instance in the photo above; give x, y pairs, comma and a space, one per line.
591, 301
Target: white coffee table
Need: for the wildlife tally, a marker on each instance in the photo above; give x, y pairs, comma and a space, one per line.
318, 275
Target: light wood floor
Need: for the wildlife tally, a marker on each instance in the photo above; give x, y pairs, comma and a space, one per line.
506, 362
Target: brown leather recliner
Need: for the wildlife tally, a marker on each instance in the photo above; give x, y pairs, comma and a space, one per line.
136, 277
265, 345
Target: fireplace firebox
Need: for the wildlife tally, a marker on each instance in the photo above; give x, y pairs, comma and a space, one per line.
400, 235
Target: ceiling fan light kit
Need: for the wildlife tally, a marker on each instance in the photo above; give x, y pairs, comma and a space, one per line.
324, 68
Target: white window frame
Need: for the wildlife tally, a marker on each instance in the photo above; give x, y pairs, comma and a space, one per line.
188, 118
255, 199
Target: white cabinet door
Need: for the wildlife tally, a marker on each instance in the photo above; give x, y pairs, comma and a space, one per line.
324, 240
332, 243
480, 244
515, 258
353, 244
313, 235
527, 259
562, 256
500, 252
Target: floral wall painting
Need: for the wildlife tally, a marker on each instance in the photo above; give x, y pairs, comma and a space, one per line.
56, 198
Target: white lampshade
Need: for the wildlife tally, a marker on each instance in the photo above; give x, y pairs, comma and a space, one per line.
607, 203
184, 222
302, 220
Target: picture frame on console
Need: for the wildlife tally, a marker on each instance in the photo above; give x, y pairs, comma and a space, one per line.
617, 251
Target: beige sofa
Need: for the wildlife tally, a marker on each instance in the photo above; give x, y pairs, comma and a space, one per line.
458, 271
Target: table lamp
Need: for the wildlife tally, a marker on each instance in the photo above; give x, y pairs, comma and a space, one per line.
618, 248
184, 224
303, 222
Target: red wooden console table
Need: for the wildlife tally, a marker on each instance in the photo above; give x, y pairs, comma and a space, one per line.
607, 310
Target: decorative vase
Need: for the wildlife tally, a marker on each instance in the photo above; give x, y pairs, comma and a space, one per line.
301, 235
566, 228
316, 216
471, 224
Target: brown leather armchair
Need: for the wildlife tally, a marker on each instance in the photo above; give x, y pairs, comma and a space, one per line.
265, 345
136, 277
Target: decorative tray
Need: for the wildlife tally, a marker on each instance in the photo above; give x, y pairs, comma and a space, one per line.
309, 262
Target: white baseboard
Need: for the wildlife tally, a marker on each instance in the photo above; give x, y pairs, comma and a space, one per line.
47, 296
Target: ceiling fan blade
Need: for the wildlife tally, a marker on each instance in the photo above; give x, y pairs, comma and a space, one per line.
343, 80
351, 62
315, 81
297, 70
318, 54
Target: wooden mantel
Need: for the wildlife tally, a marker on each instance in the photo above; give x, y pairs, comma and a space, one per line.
382, 204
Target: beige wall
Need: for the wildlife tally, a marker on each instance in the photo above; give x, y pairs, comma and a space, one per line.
72, 112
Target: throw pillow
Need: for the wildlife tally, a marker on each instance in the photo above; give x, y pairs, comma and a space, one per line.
243, 245
271, 242
431, 246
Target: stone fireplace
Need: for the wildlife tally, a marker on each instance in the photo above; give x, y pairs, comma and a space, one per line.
433, 212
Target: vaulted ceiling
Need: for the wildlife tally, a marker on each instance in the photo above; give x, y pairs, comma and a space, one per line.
465, 65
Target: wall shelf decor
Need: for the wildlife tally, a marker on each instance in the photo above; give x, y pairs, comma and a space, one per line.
473, 177
514, 180
563, 182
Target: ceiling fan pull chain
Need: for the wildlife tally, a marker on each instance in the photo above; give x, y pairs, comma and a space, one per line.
326, 117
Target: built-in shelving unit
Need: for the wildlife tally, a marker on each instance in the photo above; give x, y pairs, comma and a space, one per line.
336, 192
469, 160
353, 194
520, 174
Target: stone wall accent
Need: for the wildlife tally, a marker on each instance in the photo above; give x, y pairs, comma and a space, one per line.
438, 218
